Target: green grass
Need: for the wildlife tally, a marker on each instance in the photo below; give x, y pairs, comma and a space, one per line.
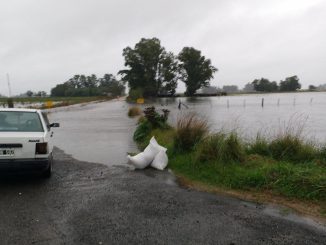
284, 166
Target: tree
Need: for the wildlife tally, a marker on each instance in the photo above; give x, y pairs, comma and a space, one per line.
290, 84
110, 85
196, 71
81, 85
264, 85
312, 87
150, 67
29, 93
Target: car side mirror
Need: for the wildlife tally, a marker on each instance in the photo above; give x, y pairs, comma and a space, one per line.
54, 125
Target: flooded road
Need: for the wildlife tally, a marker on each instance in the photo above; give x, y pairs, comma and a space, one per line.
97, 132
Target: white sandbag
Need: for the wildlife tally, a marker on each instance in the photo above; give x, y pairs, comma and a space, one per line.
156, 145
140, 161
160, 161
153, 149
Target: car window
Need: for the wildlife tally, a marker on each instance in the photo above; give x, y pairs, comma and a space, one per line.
13, 121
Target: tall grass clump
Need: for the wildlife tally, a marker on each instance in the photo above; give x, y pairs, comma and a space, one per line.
134, 111
292, 148
191, 129
259, 146
221, 147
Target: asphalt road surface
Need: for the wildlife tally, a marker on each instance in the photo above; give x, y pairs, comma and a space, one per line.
86, 203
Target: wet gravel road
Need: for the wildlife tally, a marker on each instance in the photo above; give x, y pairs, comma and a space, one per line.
87, 203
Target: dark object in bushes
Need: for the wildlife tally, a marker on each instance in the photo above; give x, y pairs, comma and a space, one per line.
156, 120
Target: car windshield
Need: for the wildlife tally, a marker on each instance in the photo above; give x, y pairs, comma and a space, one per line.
16, 121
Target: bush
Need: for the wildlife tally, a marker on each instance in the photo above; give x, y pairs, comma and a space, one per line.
157, 120
221, 147
291, 148
191, 129
134, 111
142, 131
259, 146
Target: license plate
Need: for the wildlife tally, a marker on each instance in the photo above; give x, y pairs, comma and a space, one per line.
7, 152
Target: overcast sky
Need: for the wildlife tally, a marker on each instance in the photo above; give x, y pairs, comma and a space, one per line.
45, 42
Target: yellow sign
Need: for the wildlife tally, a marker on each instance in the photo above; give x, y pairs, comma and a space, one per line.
140, 101
49, 104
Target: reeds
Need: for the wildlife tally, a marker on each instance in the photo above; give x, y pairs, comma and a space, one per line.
191, 129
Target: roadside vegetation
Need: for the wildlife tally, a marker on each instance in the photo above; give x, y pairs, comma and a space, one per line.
42, 102
134, 111
286, 165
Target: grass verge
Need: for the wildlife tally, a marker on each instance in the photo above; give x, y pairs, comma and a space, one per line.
285, 168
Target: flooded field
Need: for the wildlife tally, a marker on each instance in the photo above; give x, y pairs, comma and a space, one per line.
246, 114
102, 132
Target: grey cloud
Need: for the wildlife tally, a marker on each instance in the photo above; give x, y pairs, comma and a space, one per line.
46, 42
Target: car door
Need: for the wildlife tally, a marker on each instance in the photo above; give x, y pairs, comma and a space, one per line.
48, 132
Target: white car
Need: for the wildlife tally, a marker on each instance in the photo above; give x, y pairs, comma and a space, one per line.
26, 141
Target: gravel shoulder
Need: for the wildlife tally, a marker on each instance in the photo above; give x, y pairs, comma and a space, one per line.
89, 203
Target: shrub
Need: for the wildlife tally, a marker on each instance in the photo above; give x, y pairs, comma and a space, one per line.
259, 146
157, 120
191, 129
142, 131
291, 148
134, 111
221, 147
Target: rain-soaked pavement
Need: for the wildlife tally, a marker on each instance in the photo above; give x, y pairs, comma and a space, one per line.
89, 203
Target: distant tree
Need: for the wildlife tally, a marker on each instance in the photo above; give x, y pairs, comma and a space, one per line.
249, 87
196, 71
312, 87
81, 85
59, 90
29, 93
264, 85
150, 68
230, 88
290, 84
110, 85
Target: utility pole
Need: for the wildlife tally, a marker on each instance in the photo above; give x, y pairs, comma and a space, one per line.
10, 100
9, 87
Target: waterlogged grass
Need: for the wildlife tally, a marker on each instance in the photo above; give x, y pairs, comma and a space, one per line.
286, 165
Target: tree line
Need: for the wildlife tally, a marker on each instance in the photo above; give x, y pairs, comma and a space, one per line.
150, 71
81, 85
287, 85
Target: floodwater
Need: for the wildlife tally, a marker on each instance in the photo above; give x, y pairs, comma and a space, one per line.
102, 132
304, 112
96, 132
